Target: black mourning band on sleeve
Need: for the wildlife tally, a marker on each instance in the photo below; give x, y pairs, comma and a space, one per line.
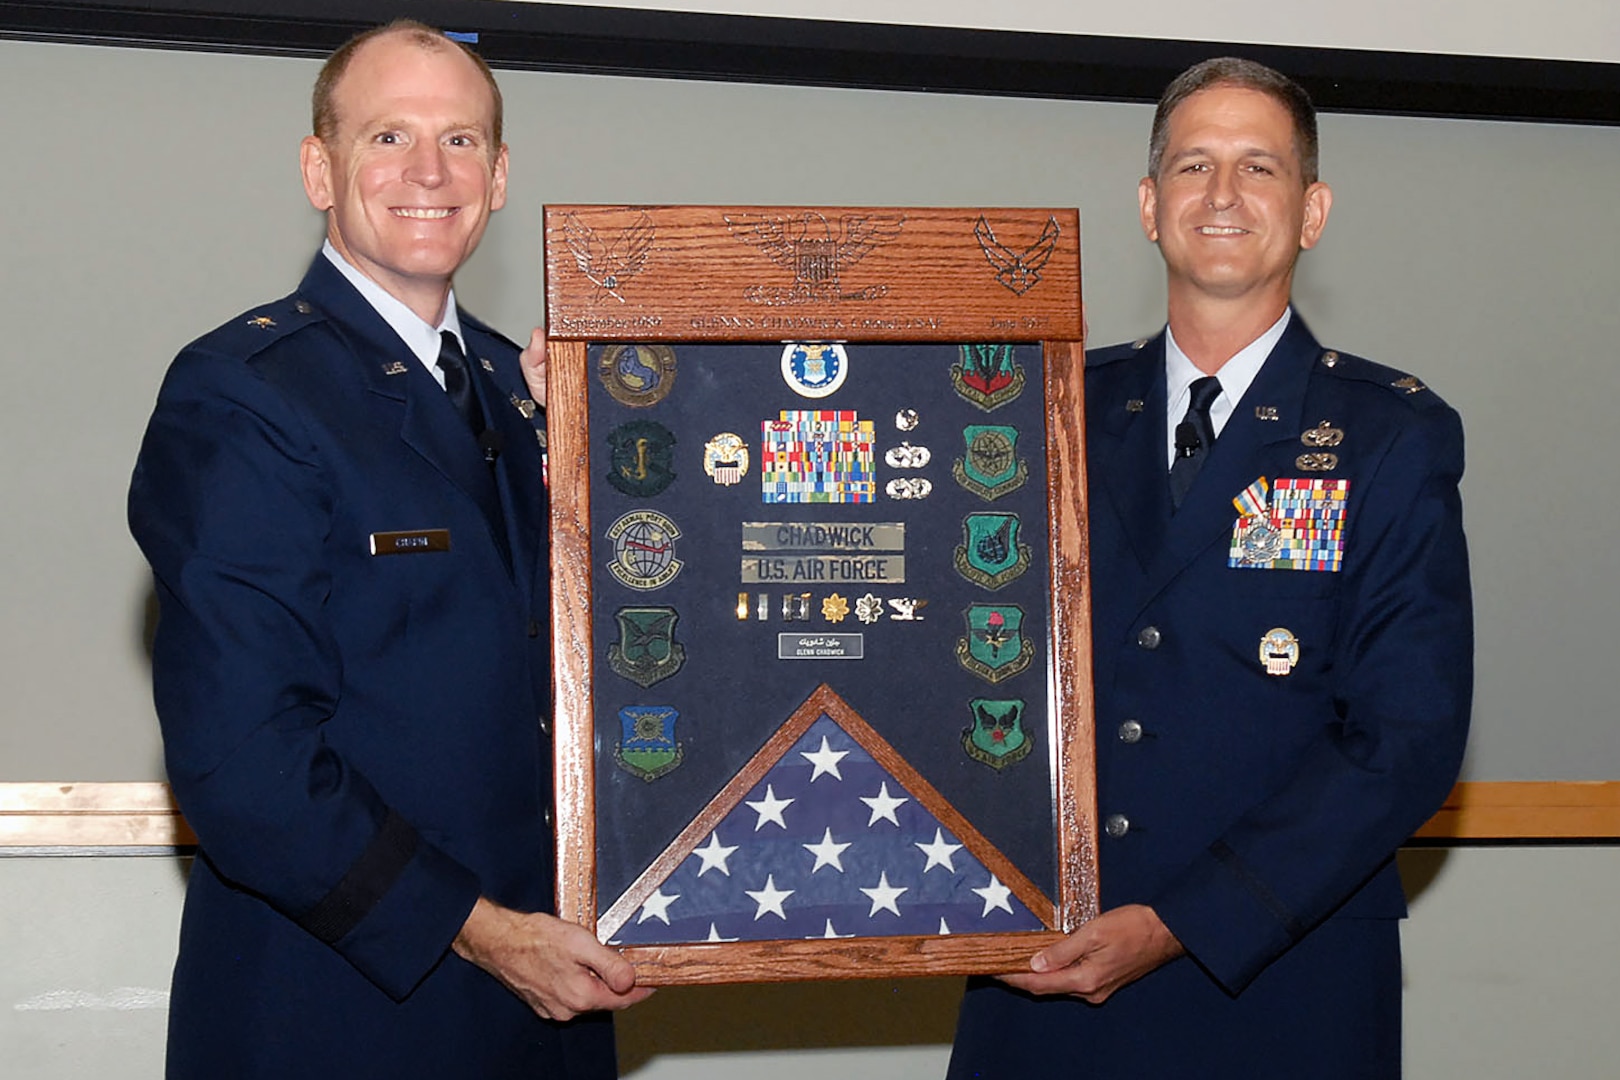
366, 882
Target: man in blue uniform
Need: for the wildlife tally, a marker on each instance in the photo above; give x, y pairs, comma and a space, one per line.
340, 495
1282, 631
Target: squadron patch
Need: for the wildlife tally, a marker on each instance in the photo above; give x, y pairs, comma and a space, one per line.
637, 375
991, 468
641, 458
646, 652
647, 745
725, 458
1296, 523
997, 736
995, 647
987, 375
644, 550
814, 370
990, 554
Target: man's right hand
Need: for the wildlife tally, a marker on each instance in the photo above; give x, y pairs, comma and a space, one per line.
558, 968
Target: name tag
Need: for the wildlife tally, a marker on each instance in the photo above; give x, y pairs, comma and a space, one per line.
413, 542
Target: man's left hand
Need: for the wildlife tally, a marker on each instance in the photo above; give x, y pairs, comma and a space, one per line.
1113, 950
533, 359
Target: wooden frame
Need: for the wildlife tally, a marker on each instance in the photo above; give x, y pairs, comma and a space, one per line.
679, 274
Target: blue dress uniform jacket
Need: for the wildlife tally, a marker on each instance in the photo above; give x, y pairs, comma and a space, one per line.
1259, 813
353, 725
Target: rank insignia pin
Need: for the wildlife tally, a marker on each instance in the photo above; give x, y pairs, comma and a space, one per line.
641, 457
990, 555
1279, 651
834, 608
905, 608
262, 322
869, 609
647, 745
991, 467
1409, 384
745, 603
795, 607
646, 652
997, 736
996, 647
987, 375
725, 458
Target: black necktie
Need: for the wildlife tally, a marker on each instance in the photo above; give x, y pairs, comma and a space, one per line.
1195, 435
458, 382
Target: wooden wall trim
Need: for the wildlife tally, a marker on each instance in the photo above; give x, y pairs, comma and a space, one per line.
144, 815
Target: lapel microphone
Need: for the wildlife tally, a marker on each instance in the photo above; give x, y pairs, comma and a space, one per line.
1187, 441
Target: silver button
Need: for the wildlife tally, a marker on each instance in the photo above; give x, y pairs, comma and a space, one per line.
545, 726
302, 307
1149, 638
547, 817
1130, 732
1139, 343
1116, 825
1330, 358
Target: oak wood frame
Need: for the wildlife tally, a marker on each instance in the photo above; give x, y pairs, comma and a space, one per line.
672, 302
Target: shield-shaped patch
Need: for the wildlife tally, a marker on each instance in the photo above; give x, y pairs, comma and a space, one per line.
997, 736
646, 651
996, 647
990, 554
647, 744
991, 467
987, 375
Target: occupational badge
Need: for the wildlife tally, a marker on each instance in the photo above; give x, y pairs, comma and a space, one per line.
644, 550
647, 745
1317, 462
869, 608
637, 375
987, 375
909, 487
525, 406
1279, 651
996, 647
997, 736
990, 554
1322, 435
646, 652
725, 458
641, 458
991, 468
814, 370
906, 420
906, 456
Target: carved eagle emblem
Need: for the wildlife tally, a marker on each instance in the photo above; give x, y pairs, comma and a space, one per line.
1019, 271
815, 250
609, 264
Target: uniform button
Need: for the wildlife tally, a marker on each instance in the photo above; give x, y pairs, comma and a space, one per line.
1117, 825
545, 726
534, 628
547, 817
1149, 638
1330, 358
1130, 732
302, 307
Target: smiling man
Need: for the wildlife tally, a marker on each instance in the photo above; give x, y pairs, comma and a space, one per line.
1283, 647
340, 495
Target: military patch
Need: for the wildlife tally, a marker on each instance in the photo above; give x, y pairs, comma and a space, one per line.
906, 456
909, 487
646, 652
997, 736
995, 647
637, 375
725, 458
987, 375
644, 550
814, 370
1294, 524
990, 554
1279, 650
641, 458
647, 746
991, 467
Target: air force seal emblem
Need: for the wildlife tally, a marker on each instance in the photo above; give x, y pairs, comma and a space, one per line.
641, 458
990, 554
997, 736
991, 467
646, 651
995, 647
647, 746
814, 370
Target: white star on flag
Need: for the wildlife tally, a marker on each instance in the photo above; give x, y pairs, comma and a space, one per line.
995, 896
770, 808
657, 907
714, 855
939, 852
884, 895
770, 898
825, 760
827, 853
883, 805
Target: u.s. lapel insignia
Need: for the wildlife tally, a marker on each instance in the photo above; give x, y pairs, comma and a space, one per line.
909, 487
990, 554
1317, 462
262, 322
1279, 650
394, 367
987, 375
814, 369
525, 406
641, 457
725, 458
991, 467
996, 647
637, 375
1135, 405
1322, 435
997, 736
647, 745
644, 550
646, 652
1409, 384
1265, 412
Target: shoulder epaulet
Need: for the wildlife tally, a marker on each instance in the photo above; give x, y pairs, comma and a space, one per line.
1109, 354
1359, 369
484, 328
257, 329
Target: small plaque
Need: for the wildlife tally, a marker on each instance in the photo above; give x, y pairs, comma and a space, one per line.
821, 646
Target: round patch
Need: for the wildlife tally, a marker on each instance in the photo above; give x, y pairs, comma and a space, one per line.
814, 370
644, 550
725, 458
637, 375
641, 458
